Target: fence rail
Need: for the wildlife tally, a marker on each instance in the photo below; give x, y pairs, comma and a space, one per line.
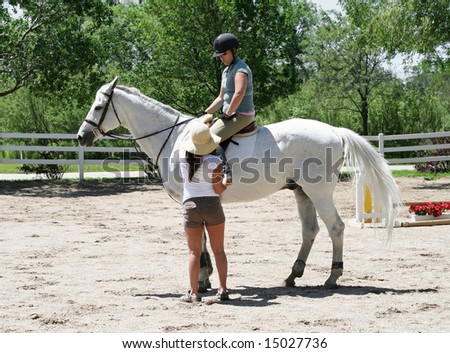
381, 139
81, 161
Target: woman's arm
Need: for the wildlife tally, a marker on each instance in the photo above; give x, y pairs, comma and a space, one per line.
216, 104
218, 181
240, 86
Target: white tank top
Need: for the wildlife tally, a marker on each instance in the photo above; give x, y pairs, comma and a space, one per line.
201, 183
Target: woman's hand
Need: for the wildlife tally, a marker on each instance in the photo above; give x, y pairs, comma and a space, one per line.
219, 184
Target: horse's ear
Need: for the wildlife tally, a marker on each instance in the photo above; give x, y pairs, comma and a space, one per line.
113, 84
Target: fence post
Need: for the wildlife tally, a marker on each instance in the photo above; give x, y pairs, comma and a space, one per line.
80, 162
381, 143
359, 200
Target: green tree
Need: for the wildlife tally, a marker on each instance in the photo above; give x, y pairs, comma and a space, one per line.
348, 67
403, 26
170, 43
427, 96
44, 43
412, 26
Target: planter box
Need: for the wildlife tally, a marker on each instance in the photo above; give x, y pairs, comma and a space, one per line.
417, 218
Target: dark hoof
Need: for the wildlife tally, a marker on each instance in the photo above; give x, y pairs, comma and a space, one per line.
203, 287
331, 286
289, 282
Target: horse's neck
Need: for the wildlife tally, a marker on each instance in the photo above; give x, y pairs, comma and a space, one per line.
142, 117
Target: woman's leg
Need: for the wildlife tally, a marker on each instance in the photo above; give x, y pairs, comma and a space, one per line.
216, 238
225, 128
194, 242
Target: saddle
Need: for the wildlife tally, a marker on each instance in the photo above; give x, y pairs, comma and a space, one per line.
249, 130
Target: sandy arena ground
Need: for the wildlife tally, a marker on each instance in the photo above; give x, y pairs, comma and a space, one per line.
111, 257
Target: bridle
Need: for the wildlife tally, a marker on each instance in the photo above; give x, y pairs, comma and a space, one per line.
97, 126
116, 136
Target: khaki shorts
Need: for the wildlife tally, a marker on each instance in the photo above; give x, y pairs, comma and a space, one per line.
200, 211
225, 128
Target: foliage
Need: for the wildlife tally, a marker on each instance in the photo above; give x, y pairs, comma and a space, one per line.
51, 171
322, 66
349, 66
165, 47
27, 111
403, 26
436, 167
46, 42
346, 78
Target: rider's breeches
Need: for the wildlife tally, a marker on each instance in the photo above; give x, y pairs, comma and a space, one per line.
225, 128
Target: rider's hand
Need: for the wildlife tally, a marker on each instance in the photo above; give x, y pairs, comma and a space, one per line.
205, 118
226, 116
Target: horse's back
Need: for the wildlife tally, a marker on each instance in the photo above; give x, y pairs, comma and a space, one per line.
297, 149
299, 139
309, 131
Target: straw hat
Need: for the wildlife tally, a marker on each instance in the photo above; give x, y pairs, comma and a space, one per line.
201, 141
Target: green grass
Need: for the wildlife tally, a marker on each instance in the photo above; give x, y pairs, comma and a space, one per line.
9, 169
416, 174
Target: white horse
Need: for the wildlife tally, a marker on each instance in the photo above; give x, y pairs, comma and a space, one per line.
304, 155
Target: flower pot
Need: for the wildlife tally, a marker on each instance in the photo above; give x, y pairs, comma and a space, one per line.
430, 217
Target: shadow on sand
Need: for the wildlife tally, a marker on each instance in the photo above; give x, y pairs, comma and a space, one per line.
74, 189
267, 296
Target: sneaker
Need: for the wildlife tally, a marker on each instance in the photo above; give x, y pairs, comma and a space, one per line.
190, 298
223, 296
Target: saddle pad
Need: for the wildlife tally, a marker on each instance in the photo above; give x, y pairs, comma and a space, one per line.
245, 148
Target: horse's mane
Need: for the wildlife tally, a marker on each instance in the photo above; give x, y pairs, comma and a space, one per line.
166, 110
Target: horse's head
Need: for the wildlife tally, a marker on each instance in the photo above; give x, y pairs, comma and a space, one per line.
101, 117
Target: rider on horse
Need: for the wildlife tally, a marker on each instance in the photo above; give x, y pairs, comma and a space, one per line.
236, 92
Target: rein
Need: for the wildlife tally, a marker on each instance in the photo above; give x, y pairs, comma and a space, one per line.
126, 137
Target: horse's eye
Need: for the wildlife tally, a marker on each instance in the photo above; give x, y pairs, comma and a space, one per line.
97, 107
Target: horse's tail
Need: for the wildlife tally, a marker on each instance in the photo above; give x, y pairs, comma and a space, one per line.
372, 169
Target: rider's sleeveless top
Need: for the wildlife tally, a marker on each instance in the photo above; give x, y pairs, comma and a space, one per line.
246, 106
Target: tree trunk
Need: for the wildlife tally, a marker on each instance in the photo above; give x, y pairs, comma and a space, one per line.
365, 116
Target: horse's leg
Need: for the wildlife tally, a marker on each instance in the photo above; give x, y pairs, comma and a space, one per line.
206, 267
310, 228
324, 204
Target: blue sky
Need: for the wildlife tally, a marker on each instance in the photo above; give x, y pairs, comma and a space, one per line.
327, 4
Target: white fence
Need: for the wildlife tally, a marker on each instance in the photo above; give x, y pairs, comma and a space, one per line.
381, 138
363, 195
81, 161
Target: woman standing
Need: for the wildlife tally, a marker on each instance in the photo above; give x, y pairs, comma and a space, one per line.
202, 185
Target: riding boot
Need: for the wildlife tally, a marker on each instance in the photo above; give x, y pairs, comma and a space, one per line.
226, 169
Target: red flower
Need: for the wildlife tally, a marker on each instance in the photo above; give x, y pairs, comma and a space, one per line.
430, 208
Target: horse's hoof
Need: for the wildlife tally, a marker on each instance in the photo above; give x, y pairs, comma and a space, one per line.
330, 285
202, 287
289, 282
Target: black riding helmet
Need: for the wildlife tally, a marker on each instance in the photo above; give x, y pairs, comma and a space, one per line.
224, 42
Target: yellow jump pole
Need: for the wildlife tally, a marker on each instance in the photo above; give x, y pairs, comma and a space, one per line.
367, 204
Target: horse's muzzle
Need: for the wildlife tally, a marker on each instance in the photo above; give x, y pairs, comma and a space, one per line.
86, 138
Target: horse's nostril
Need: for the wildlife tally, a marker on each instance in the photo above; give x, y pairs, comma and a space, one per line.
79, 137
